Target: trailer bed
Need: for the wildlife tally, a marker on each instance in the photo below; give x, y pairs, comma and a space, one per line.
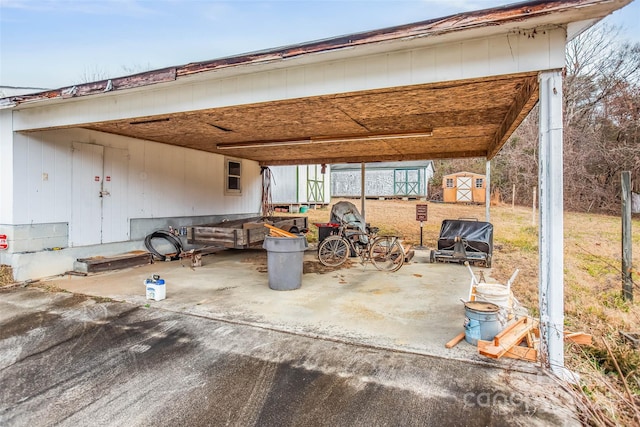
241, 233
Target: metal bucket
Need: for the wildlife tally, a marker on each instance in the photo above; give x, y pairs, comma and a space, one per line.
483, 321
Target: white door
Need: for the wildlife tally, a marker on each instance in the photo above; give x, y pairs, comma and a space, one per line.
463, 194
115, 225
98, 195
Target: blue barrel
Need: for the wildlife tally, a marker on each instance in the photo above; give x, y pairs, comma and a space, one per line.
483, 321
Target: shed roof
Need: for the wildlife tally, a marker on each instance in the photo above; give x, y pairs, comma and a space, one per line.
437, 118
382, 165
463, 174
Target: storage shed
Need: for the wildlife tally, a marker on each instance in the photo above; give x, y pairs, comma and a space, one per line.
464, 187
382, 179
300, 185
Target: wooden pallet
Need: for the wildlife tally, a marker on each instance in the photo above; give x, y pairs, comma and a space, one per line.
518, 340
409, 253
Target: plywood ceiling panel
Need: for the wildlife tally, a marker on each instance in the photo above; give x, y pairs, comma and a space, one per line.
465, 118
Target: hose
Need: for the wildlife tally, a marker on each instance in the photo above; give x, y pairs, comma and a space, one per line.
162, 234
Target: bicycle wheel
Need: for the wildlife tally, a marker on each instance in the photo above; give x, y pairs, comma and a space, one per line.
333, 251
387, 253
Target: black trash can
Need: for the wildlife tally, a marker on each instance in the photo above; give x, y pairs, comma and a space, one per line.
284, 261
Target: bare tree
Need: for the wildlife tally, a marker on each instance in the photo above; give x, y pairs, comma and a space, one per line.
601, 128
96, 73
93, 74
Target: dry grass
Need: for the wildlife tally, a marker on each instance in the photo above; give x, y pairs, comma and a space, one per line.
6, 275
593, 301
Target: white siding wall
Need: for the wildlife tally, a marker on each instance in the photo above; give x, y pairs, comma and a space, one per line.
164, 181
290, 184
284, 184
6, 167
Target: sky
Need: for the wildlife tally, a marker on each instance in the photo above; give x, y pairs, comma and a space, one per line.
56, 43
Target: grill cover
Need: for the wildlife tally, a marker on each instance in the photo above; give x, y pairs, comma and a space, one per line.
478, 234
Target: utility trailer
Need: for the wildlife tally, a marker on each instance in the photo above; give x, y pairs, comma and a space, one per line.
242, 233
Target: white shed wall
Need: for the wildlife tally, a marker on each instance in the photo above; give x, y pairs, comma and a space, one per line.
290, 184
378, 183
284, 185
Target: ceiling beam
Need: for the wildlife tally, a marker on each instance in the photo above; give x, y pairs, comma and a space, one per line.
522, 104
373, 158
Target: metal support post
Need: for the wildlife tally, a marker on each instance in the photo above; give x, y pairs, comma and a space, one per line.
488, 192
362, 191
551, 293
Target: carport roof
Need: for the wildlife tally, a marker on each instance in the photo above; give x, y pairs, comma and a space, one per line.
445, 119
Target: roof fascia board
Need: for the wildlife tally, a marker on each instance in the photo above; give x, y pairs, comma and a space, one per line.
520, 15
574, 29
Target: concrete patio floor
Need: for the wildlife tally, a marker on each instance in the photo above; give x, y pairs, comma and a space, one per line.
416, 309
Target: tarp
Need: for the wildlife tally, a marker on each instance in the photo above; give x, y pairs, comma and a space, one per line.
478, 234
346, 212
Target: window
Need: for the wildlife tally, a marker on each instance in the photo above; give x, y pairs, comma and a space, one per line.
449, 182
233, 176
478, 182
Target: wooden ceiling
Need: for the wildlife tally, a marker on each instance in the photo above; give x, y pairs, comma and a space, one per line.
467, 118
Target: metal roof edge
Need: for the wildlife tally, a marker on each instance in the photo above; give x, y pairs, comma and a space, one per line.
464, 173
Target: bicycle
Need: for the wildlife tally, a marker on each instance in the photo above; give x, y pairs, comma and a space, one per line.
384, 252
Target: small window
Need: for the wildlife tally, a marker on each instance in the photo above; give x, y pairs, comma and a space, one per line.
449, 182
233, 177
479, 182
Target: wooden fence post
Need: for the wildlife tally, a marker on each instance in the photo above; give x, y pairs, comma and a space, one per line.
533, 211
627, 282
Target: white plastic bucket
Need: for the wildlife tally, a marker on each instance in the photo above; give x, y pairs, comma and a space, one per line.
495, 293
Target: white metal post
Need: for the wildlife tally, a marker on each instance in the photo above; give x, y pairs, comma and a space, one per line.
362, 191
487, 192
551, 293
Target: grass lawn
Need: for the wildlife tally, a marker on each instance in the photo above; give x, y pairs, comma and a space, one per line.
593, 300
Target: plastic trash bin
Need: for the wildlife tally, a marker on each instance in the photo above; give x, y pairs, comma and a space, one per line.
284, 261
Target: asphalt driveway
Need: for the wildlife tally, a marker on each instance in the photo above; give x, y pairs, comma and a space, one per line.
68, 359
